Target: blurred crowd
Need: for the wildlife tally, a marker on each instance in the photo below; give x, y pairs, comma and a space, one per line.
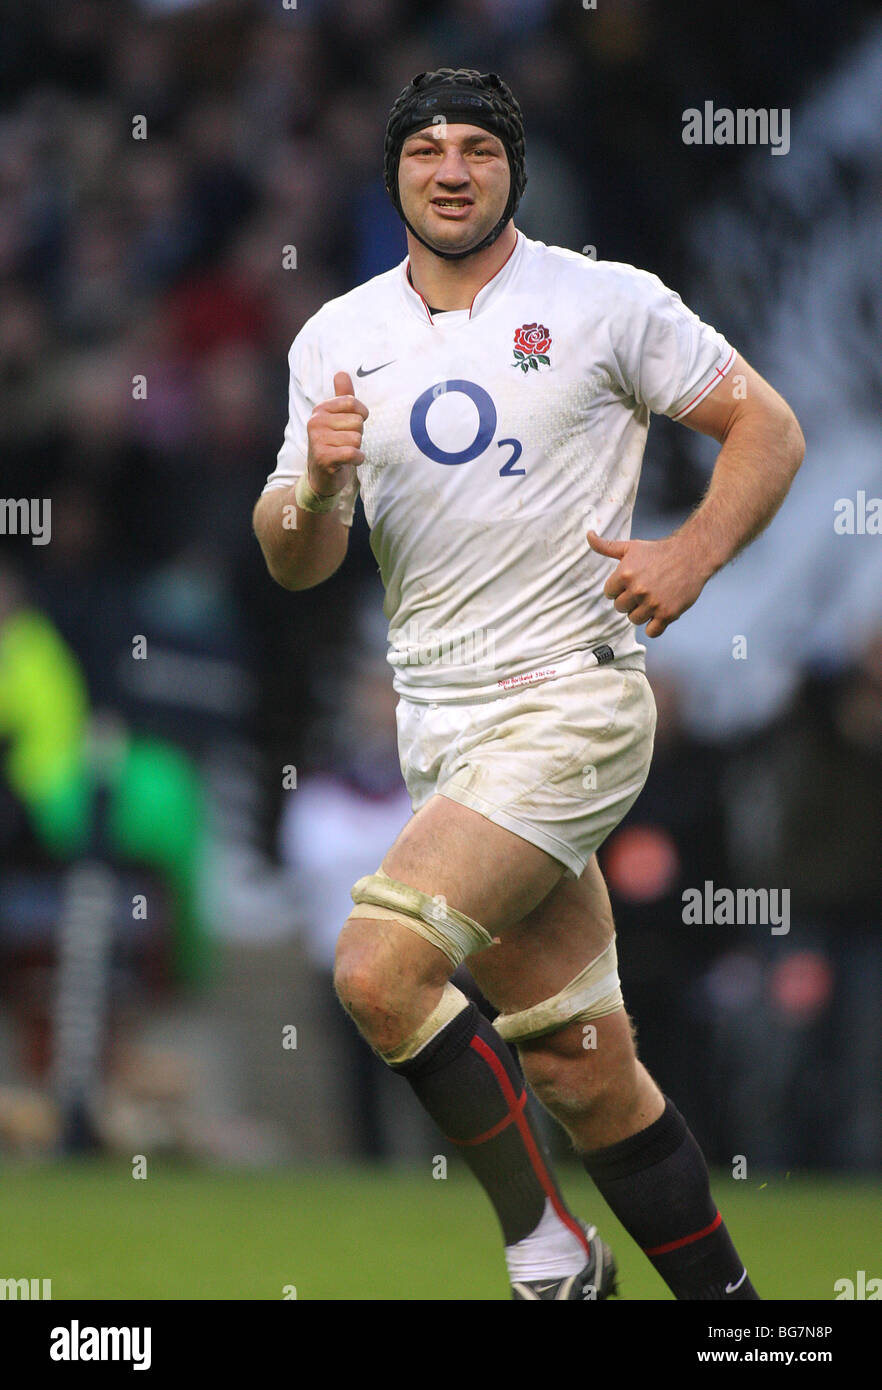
183, 184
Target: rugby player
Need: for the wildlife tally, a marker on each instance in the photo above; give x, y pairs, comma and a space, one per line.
489, 400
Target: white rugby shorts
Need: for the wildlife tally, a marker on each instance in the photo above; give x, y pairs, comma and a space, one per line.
558, 763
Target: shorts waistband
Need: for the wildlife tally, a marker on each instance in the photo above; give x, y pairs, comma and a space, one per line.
579, 662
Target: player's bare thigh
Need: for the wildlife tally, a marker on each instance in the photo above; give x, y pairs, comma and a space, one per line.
388, 976
548, 927
549, 945
482, 869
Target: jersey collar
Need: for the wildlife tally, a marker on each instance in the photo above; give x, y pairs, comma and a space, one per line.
494, 287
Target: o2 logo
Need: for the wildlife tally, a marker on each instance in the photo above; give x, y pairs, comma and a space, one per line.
484, 437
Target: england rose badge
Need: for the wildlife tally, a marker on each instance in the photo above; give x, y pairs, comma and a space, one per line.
531, 344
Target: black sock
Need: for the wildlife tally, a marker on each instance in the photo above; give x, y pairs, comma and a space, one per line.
469, 1082
657, 1184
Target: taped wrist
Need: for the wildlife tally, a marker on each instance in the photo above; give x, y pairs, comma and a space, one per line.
311, 501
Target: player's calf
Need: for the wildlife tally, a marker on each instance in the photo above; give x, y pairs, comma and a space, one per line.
636, 1146
656, 1181
588, 1077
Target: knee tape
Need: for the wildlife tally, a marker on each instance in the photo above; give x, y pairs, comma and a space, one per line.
451, 1003
452, 932
594, 992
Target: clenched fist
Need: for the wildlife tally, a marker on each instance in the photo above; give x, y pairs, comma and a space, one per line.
334, 431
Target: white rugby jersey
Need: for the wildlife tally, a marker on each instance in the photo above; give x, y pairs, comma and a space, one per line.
498, 436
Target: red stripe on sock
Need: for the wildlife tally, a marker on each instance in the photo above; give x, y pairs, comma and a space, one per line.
497, 1129
685, 1240
527, 1139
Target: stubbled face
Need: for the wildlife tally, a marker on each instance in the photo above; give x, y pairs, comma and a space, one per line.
454, 182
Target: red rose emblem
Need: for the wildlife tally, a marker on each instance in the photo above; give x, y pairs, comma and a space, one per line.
531, 344
533, 339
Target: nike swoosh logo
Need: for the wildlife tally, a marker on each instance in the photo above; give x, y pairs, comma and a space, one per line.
370, 371
730, 1288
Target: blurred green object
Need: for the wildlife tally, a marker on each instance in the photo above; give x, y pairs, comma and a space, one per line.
157, 816
53, 763
44, 710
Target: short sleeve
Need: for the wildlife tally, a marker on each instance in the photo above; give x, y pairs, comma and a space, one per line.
665, 357
305, 390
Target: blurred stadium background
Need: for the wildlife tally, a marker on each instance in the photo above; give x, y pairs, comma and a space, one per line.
195, 766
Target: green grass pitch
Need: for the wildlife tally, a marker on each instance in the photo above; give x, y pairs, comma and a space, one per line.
366, 1234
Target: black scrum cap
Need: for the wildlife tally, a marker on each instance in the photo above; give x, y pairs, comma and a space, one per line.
460, 96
